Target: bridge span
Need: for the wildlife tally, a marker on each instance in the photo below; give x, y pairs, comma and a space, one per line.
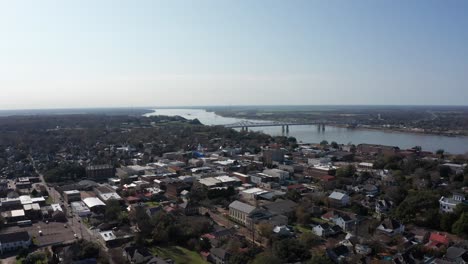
244, 125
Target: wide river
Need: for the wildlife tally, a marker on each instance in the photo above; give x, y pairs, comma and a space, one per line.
311, 134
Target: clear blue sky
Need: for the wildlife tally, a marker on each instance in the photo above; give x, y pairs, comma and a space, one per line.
90, 53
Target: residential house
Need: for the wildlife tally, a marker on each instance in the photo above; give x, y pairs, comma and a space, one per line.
219, 256
383, 206
456, 255
447, 205
282, 231
339, 199
338, 254
437, 240
391, 227
345, 222
137, 255
326, 230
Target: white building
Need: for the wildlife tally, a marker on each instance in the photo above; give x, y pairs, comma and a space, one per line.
447, 205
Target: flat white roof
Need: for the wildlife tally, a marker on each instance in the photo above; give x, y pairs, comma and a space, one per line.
240, 174
254, 191
71, 192
17, 213
226, 179
25, 199
93, 202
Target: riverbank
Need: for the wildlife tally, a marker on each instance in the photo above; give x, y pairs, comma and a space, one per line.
358, 127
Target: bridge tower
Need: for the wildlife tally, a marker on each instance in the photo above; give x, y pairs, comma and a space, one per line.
287, 129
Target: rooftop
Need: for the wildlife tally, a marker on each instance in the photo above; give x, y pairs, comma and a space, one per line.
93, 202
243, 207
14, 237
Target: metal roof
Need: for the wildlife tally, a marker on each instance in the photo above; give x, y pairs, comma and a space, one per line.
243, 207
93, 202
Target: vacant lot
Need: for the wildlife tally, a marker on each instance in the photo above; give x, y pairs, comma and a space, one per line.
178, 254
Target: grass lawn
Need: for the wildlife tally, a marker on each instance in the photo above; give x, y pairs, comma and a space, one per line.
318, 220
49, 200
178, 254
302, 229
151, 204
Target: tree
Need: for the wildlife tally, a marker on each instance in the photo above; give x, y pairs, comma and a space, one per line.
418, 207
440, 153
319, 259
310, 240
346, 171
34, 193
290, 250
444, 171
88, 250
113, 210
265, 230
36, 258
460, 227
302, 215
323, 143
447, 220
334, 145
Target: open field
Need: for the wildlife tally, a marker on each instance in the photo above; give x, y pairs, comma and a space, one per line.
178, 254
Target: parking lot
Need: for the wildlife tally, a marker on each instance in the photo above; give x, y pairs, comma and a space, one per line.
52, 232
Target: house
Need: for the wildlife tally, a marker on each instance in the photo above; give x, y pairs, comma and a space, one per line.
338, 254
282, 231
447, 205
345, 222
370, 189
137, 255
437, 240
391, 227
189, 208
456, 255
338, 199
326, 230
241, 212
383, 206
219, 256
13, 241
